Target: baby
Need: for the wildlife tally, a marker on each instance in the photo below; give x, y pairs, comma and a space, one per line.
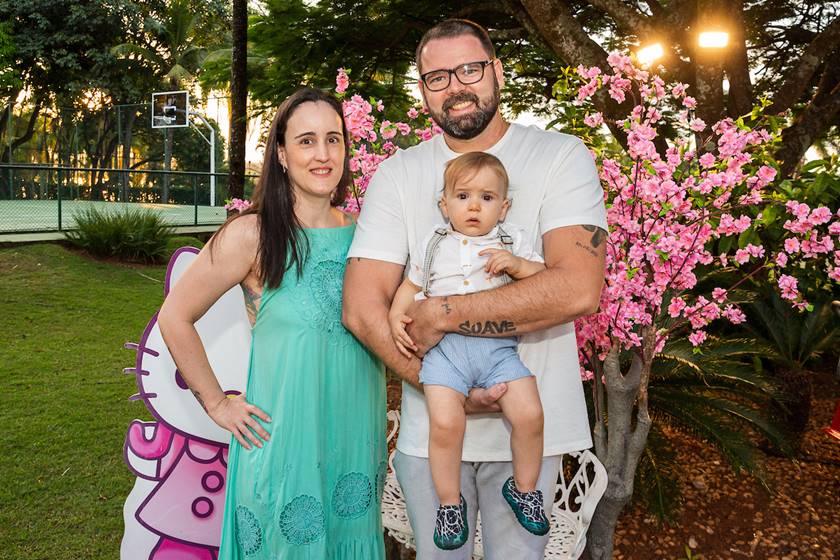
473, 253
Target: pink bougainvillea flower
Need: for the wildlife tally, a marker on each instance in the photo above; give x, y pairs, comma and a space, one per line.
342, 81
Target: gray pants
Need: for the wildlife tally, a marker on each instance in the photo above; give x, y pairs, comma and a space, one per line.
481, 485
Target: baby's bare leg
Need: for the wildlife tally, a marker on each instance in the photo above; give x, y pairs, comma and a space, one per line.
447, 421
521, 406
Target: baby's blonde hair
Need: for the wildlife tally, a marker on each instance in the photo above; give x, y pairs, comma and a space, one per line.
465, 166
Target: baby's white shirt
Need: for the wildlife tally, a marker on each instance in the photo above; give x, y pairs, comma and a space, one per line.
457, 267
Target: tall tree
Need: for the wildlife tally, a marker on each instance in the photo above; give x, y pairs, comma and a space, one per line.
58, 44
238, 98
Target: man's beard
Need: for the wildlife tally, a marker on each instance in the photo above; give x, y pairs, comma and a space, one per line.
470, 125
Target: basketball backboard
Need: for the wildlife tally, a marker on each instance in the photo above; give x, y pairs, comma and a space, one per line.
170, 109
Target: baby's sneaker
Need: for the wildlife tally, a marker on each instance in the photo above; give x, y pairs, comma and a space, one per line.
451, 526
528, 507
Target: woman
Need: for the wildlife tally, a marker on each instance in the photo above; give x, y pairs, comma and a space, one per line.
311, 488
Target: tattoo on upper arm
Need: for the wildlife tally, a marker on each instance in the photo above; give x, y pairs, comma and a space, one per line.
488, 327
591, 251
252, 302
598, 237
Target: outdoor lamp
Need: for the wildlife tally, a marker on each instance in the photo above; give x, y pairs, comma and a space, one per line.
648, 54
713, 39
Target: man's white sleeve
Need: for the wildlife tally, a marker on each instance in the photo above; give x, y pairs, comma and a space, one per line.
573, 195
381, 229
522, 247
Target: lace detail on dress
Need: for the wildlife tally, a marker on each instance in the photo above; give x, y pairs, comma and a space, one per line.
249, 534
320, 289
302, 520
325, 283
352, 495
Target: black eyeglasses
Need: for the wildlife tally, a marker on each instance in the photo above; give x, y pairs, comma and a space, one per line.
469, 73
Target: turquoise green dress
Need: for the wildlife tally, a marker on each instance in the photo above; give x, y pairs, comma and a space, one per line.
313, 491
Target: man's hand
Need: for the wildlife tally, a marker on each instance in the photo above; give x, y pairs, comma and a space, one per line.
485, 400
423, 329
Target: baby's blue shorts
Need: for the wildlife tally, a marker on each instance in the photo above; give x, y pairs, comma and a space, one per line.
463, 362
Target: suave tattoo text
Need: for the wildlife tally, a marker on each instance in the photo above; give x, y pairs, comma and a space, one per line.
488, 327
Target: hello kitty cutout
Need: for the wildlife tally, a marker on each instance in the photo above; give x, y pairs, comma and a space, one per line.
175, 509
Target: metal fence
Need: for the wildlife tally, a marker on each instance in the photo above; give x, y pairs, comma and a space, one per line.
39, 198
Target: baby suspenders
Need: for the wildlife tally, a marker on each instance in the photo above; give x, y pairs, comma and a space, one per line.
431, 250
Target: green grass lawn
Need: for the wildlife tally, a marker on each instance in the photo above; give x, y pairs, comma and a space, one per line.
63, 399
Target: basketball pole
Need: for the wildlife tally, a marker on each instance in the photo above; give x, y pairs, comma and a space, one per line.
212, 142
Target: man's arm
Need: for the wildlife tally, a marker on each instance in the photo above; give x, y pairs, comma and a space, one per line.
568, 288
369, 287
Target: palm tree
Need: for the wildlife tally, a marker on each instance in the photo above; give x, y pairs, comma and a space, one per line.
799, 340
168, 47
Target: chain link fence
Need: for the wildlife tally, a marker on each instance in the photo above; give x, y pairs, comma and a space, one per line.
38, 198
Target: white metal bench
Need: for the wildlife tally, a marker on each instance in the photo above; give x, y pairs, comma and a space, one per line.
574, 505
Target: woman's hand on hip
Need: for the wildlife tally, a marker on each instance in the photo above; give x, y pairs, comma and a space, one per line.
239, 417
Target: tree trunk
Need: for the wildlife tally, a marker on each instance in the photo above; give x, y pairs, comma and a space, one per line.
708, 76
808, 126
740, 99
799, 76
619, 443
238, 99
794, 412
131, 115
30, 130
7, 110
561, 32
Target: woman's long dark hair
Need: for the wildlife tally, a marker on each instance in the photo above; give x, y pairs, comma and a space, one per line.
281, 243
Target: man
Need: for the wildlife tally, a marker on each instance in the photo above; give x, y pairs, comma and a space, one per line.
557, 198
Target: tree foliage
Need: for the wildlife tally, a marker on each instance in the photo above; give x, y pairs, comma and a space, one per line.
783, 50
9, 75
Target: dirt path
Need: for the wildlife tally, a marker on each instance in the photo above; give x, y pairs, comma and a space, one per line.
726, 516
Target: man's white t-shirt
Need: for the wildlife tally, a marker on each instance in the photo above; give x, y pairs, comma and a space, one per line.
553, 183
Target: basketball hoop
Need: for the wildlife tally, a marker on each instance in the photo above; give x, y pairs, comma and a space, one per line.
170, 109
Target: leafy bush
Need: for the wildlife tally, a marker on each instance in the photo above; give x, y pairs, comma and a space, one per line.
131, 235
179, 241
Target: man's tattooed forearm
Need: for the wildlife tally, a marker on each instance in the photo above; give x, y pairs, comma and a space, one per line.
445, 305
598, 235
488, 327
